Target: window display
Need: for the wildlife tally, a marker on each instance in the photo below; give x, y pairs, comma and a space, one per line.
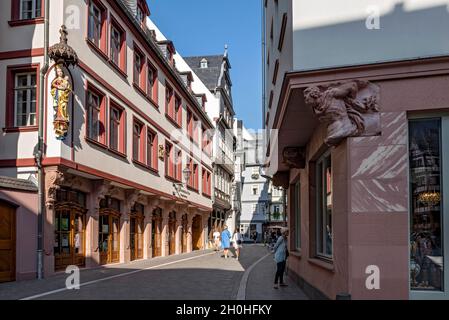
426, 258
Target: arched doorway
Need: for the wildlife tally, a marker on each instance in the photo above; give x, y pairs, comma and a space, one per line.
136, 227
109, 231
69, 228
172, 233
156, 233
7, 242
185, 232
197, 232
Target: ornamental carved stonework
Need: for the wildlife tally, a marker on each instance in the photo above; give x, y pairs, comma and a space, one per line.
294, 157
131, 199
350, 109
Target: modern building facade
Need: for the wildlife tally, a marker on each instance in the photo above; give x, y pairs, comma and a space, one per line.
360, 104
214, 72
128, 147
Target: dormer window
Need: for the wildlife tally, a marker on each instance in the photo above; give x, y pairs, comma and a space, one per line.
140, 16
203, 64
168, 50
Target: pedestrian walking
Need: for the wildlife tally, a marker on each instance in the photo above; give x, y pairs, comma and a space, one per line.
237, 241
280, 256
216, 236
226, 241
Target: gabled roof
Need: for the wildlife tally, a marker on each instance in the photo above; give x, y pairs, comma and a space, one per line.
210, 75
17, 184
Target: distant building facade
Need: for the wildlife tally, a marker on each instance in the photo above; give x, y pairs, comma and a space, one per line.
214, 72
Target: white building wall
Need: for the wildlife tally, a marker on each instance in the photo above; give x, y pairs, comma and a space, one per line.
334, 33
20, 145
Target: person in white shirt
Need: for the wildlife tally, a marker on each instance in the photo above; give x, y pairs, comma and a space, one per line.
237, 241
216, 236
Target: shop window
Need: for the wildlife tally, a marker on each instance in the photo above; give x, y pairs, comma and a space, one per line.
297, 212
426, 205
323, 212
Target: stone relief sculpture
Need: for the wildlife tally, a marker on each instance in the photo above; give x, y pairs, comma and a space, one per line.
350, 109
60, 91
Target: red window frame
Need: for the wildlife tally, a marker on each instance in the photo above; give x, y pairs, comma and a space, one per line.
101, 137
207, 143
138, 137
177, 165
193, 180
139, 83
121, 65
196, 125
102, 47
206, 177
190, 123
15, 15
11, 72
152, 91
152, 149
169, 100
177, 116
121, 128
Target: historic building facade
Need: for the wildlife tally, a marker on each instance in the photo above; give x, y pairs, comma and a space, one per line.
255, 198
128, 173
361, 144
214, 72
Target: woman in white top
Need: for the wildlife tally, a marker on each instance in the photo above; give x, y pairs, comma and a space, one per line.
237, 241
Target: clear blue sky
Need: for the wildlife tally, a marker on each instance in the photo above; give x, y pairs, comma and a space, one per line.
203, 27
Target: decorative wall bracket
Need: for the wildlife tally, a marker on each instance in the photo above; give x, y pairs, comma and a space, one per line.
350, 109
294, 157
281, 179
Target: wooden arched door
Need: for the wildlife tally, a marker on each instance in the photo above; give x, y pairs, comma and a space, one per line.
197, 231
7, 242
156, 233
172, 233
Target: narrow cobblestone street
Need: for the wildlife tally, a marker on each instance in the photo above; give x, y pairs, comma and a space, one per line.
202, 275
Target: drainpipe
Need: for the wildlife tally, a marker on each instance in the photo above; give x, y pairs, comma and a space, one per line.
40, 149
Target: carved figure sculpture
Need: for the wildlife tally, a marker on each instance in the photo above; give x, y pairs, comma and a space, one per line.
349, 108
60, 91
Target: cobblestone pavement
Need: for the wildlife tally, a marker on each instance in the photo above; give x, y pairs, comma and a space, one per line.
201, 275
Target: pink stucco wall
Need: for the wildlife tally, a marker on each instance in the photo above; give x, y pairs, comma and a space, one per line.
371, 193
26, 231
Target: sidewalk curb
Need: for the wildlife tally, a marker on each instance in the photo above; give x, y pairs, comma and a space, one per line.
241, 294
